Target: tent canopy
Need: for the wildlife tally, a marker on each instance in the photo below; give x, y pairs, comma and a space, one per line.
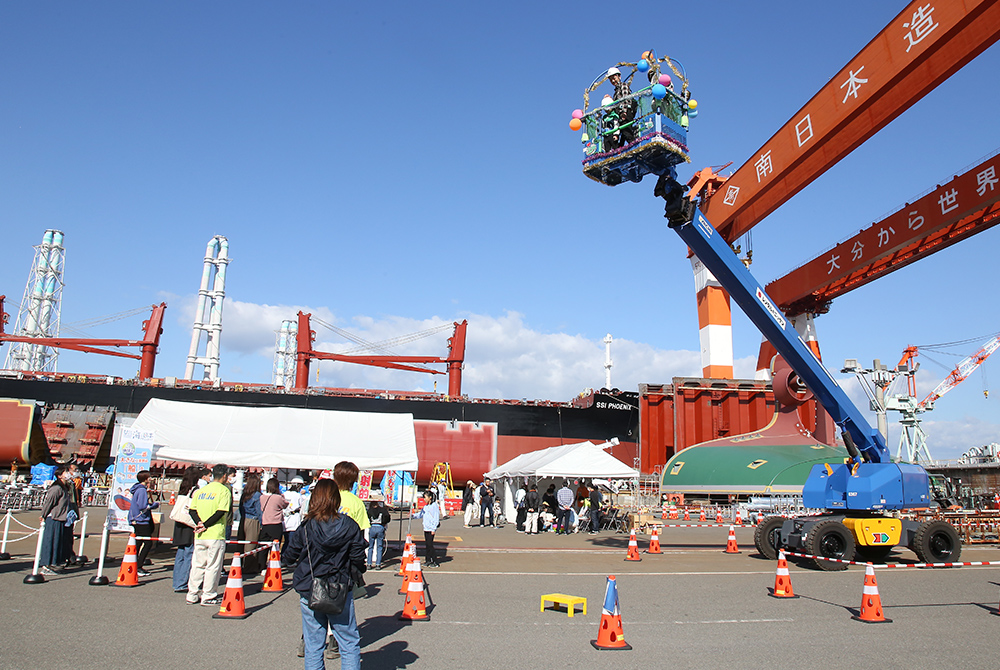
583, 459
278, 437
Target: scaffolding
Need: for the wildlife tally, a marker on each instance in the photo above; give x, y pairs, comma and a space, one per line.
208, 317
41, 308
284, 355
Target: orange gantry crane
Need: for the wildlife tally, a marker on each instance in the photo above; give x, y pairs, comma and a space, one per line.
453, 362
920, 48
149, 344
957, 210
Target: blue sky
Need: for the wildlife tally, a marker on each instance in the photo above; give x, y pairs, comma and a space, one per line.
394, 166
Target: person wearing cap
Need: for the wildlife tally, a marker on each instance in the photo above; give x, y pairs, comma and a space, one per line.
469, 502
293, 513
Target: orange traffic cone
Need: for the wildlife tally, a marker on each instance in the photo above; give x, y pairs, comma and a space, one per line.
739, 519
782, 580
718, 516
687, 515
272, 578
633, 549
731, 546
665, 511
409, 551
701, 517
610, 635
414, 607
412, 568
232, 600
654, 543
871, 603
173, 497
128, 572
673, 513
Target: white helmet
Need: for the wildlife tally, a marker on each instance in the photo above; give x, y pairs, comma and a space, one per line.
298, 480
613, 70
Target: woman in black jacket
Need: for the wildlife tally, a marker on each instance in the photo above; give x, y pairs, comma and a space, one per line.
327, 544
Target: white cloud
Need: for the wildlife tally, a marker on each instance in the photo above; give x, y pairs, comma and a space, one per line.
505, 357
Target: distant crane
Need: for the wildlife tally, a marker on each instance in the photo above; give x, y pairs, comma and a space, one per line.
912, 438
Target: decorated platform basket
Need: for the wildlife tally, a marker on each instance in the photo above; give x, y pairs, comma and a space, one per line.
640, 125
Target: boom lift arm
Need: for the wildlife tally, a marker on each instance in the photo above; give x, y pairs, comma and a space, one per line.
870, 481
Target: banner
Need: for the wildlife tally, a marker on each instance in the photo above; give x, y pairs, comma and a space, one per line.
135, 453
365, 484
389, 488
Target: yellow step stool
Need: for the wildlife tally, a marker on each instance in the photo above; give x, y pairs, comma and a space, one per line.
569, 601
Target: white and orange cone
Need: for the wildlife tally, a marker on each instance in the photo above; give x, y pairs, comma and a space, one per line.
414, 606
782, 580
871, 602
731, 546
409, 551
633, 549
701, 516
654, 542
233, 606
128, 572
412, 572
272, 578
610, 635
718, 516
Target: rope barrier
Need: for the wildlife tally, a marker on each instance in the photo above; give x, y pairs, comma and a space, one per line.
171, 540
962, 564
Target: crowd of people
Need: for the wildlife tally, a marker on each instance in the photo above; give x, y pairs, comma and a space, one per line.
324, 529
561, 511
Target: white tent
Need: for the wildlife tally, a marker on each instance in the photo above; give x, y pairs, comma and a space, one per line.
583, 459
278, 437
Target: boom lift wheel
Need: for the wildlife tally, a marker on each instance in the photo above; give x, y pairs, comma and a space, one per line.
937, 542
832, 539
767, 537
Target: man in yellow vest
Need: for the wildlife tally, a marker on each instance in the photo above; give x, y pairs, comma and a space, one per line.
210, 511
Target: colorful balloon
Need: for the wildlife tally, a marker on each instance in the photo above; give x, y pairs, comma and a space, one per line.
577, 114
693, 113
642, 65
575, 124
607, 100
665, 79
659, 91
692, 104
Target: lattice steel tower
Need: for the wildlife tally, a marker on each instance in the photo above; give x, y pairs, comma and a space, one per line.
208, 318
284, 354
40, 308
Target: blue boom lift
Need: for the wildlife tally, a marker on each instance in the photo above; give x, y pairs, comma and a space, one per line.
858, 496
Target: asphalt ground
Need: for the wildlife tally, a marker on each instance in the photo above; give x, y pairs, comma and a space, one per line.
691, 607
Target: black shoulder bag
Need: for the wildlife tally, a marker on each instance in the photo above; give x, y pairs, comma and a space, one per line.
327, 595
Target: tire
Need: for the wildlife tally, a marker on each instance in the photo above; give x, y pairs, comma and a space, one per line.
832, 539
872, 554
937, 542
767, 537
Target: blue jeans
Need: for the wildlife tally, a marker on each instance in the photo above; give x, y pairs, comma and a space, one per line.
344, 628
485, 509
182, 567
376, 542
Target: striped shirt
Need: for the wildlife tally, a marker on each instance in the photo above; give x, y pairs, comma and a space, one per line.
564, 497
